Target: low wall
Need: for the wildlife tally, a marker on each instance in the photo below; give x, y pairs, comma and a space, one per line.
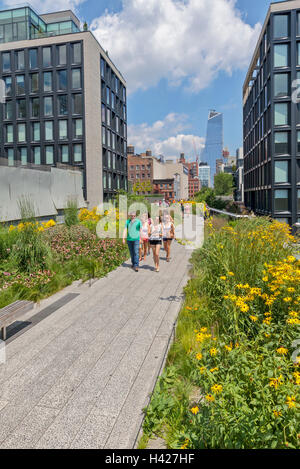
48, 191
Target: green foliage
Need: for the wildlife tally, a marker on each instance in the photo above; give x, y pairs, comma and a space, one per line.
223, 184
71, 213
208, 195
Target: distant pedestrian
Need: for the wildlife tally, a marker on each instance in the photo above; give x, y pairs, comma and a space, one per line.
132, 233
155, 237
168, 234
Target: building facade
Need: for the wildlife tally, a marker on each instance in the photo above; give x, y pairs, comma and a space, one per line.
65, 101
272, 117
193, 169
214, 142
204, 175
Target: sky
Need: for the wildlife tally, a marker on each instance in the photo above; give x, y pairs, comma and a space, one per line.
180, 59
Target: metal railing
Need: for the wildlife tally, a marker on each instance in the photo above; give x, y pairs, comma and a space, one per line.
228, 214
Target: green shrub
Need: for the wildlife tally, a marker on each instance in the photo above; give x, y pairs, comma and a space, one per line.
71, 213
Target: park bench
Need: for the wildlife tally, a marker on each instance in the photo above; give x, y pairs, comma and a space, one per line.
11, 313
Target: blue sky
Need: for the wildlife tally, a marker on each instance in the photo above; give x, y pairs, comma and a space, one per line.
180, 58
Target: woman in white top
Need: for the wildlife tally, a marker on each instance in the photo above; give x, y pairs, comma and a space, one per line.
144, 237
155, 238
168, 234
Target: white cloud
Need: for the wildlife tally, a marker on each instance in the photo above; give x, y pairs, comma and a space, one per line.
176, 40
165, 137
48, 6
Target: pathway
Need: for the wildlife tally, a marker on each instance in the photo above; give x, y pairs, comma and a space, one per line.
80, 374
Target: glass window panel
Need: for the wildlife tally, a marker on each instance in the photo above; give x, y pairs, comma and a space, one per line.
48, 130
23, 154
62, 79
102, 67
62, 55
103, 113
108, 117
36, 131
78, 128
281, 84
10, 157
48, 106
47, 81
34, 82
107, 95
281, 55
104, 180
9, 110
33, 58
281, 200
65, 153
6, 66
37, 155
76, 78
20, 84
113, 100
281, 171
281, 142
8, 86
21, 106
62, 105
9, 133
63, 129
21, 133
20, 59
78, 153
49, 154
298, 202
103, 135
47, 59
35, 107
77, 104
281, 26
77, 53
281, 114
8, 32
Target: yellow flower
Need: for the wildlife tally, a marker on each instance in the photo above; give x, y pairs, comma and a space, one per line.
231, 274
254, 318
202, 369
213, 352
275, 382
291, 401
195, 410
199, 356
11, 228
223, 277
212, 370
265, 279
228, 347
210, 398
287, 299
282, 351
277, 413
217, 388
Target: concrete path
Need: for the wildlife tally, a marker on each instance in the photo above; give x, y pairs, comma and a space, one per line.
80, 377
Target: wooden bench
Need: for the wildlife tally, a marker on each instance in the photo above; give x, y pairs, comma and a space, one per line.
12, 312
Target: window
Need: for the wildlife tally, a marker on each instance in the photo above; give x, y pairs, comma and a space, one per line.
298, 202
10, 157
77, 53
62, 79
21, 106
77, 153
281, 84
298, 53
77, 104
6, 65
20, 84
34, 83
47, 59
20, 60
35, 107
33, 58
9, 133
8, 86
48, 106
78, 128
47, 81
62, 55
281, 26
281, 200
103, 113
117, 124
65, 153
281, 140
108, 117
37, 155
62, 105
103, 135
104, 180
48, 130
281, 172
281, 58
23, 155
113, 100
21, 133
107, 95
76, 78
36, 133
281, 114
49, 154
108, 138
62, 129
298, 141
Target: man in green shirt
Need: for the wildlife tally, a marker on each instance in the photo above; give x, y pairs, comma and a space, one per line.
132, 232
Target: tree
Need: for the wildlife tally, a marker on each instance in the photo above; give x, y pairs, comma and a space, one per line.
223, 184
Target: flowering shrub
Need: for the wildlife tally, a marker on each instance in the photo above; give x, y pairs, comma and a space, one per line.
234, 344
37, 226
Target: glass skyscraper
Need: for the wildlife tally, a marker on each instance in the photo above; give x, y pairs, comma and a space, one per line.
214, 142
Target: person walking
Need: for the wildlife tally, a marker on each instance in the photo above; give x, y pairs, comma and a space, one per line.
144, 237
155, 239
132, 233
168, 234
